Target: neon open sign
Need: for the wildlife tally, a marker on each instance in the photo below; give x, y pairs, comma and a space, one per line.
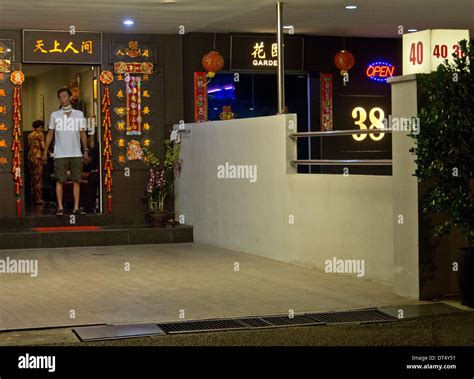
380, 71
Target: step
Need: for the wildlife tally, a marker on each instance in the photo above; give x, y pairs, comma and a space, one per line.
103, 236
88, 219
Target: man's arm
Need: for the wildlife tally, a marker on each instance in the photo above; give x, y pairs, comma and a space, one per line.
84, 142
49, 138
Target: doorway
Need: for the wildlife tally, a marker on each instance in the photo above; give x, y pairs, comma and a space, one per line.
39, 100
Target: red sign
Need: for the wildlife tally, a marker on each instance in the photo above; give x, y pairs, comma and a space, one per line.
200, 97
325, 81
133, 68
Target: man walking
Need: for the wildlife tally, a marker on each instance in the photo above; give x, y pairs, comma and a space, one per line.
67, 126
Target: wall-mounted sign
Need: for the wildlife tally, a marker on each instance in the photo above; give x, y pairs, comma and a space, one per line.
133, 68
380, 71
375, 121
325, 82
51, 46
7, 49
261, 53
200, 97
133, 51
424, 51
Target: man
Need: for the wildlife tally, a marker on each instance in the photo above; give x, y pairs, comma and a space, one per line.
67, 126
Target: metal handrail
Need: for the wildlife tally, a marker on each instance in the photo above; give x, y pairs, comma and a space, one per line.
339, 162
332, 133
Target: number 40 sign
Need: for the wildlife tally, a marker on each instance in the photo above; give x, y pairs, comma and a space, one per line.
424, 51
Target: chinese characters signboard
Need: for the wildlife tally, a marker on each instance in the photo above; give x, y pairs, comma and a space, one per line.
200, 97
326, 101
261, 53
46, 46
132, 52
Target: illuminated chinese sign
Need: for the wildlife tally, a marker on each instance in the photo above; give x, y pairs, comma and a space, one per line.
260, 56
45, 46
380, 71
261, 53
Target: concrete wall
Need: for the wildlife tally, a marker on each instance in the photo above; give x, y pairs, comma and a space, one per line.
405, 192
349, 217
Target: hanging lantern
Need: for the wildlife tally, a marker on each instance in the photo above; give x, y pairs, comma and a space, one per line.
212, 63
344, 61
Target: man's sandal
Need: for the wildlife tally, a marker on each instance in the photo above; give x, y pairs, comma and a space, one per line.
60, 212
79, 212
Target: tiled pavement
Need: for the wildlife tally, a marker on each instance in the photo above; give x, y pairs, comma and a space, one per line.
93, 285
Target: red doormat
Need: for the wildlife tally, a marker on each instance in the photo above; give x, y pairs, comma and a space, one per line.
66, 228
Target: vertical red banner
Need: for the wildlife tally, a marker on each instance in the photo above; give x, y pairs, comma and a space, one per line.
325, 81
200, 97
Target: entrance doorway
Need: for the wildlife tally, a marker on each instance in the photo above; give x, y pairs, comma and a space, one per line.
39, 95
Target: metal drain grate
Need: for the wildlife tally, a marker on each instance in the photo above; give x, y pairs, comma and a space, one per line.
366, 315
361, 316
201, 326
255, 322
287, 321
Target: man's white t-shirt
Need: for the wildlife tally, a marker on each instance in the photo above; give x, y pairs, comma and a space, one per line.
67, 134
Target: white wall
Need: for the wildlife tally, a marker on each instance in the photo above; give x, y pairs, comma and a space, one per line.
349, 217
405, 192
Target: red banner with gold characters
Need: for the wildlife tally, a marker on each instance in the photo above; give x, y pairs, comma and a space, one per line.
17, 78
106, 77
200, 97
133, 104
326, 101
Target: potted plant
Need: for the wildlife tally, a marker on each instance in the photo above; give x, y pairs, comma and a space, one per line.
444, 157
160, 181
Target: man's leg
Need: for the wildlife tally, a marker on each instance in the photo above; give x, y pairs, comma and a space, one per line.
59, 194
76, 174
60, 167
77, 193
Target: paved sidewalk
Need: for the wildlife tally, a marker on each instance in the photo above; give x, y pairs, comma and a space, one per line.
92, 285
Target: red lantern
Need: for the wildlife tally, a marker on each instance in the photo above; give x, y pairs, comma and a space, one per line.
344, 61
212, 63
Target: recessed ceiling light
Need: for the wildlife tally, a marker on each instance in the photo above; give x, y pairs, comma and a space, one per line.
412, 30
351, 7
128, 22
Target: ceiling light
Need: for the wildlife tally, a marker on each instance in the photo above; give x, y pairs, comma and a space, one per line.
128, 22
412, 30
351, 7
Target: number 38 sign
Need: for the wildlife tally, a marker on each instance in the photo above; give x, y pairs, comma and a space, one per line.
424, 51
